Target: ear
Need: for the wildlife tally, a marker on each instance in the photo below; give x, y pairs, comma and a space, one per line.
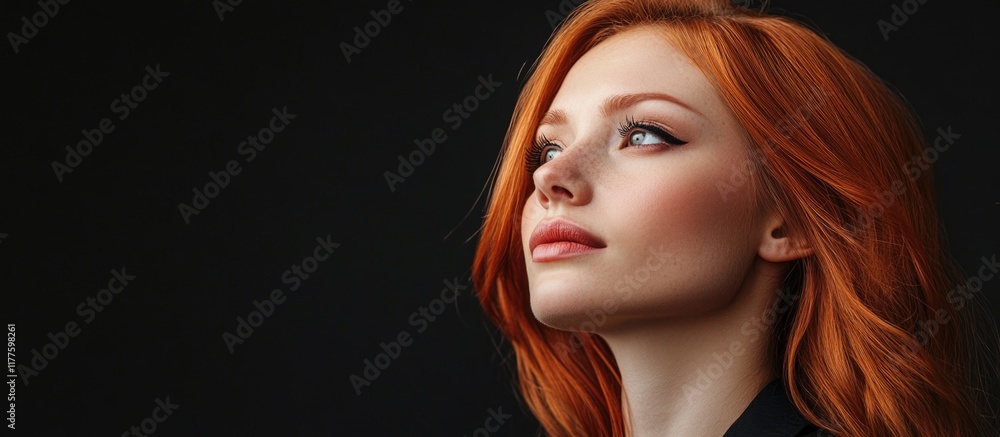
778, 245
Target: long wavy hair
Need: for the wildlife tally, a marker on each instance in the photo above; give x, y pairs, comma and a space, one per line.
828, 146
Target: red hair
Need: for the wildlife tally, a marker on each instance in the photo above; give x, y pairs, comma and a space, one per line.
828, 141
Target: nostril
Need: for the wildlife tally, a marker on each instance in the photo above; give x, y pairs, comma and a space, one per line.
562, 192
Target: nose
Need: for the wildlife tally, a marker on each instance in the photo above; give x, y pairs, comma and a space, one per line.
565, 179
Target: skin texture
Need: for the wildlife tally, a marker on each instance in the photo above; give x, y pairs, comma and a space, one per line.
684, 268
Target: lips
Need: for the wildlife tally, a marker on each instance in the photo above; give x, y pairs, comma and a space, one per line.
559, 238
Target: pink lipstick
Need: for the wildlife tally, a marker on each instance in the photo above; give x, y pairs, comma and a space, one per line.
559, 239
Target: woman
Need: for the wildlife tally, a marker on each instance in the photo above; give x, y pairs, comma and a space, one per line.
702, 224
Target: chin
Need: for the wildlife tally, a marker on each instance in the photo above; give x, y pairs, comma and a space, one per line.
558, 308
569, 307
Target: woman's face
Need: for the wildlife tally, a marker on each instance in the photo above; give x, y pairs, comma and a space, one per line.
636, 145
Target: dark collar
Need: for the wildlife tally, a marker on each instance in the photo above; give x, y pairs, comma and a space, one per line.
771, 414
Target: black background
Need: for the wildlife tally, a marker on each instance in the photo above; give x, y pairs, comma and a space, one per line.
324, 175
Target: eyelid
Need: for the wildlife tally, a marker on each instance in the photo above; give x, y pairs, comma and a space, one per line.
630, 124
533, 154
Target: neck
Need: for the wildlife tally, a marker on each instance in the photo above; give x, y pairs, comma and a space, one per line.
695, 376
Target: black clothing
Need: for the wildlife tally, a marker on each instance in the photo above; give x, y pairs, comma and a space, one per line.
772, 414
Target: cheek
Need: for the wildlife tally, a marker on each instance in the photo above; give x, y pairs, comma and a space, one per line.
530, 216
706, 239
681, 206
690, 209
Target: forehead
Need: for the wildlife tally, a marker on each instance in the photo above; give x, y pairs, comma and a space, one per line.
634, 61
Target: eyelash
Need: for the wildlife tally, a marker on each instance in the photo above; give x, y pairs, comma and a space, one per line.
534, 153
626, 127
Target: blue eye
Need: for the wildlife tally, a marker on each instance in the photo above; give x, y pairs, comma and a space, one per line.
639, 138
540, 152
646, 134
549, 153
638, 134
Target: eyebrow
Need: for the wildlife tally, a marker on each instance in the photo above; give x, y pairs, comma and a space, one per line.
617, 103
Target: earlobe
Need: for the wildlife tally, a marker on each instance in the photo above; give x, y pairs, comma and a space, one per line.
780, 246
